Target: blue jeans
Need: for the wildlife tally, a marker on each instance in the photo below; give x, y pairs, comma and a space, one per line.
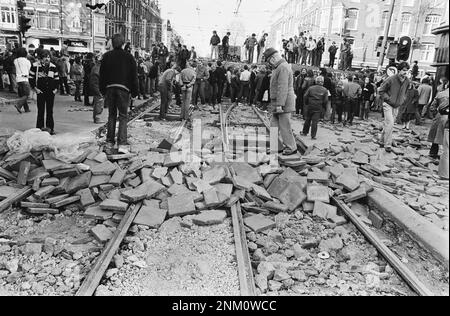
117, 99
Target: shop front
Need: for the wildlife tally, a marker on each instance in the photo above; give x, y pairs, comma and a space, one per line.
48, 43
77, 46
8, 39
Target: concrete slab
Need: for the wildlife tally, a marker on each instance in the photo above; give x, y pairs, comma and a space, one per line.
349, 179
317, 193
181, 205
246, 171
80, 182
95, 212
177, 189
423, 231
99, 180
101, 233
214, 175
259, 223
86, 198
114, 206
208, 218
150, 217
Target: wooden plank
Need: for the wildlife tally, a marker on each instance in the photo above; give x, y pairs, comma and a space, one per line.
245, 271
393, 260
22, 194
34, 205
6, 174
94, 277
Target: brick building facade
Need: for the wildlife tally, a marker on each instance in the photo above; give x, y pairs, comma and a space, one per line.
363, 22
59, 23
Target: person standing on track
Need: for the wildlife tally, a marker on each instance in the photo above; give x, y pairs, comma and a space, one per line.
118, 82
187, 82
282, 97
166, 84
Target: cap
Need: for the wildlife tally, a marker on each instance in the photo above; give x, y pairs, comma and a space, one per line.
269, 52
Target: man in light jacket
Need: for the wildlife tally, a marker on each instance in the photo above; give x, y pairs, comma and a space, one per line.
282, 96
23, 67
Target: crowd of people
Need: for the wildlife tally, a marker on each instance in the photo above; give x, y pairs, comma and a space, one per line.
308, 51
311, 93
253, 47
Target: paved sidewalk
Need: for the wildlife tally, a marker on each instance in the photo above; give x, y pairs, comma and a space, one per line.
70, 116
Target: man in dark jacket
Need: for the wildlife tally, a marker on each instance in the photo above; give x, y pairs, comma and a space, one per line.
332, 50
153, 74
63, 69
94, 86
315, 99
226, 45
221, 79
393, 94
415, 70
215, 41
88, 64
154, 53
44, 81
118, 80
163, 53
252, 42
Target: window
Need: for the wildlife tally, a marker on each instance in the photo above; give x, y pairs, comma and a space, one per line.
405, 23
352, 19
8, 16
55, 21
427, 53
42, 20
431, 22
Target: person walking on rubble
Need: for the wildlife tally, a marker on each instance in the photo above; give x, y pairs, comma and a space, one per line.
315, 100
118, 82
393, 93
282, 96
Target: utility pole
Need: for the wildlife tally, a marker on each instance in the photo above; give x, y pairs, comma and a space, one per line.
386, 34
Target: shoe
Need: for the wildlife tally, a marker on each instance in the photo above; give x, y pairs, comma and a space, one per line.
124, 149
18, 109
288, 152
99, 122
388, 149
313, 138
52, 132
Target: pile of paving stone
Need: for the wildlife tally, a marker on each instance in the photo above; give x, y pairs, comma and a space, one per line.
407, 172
